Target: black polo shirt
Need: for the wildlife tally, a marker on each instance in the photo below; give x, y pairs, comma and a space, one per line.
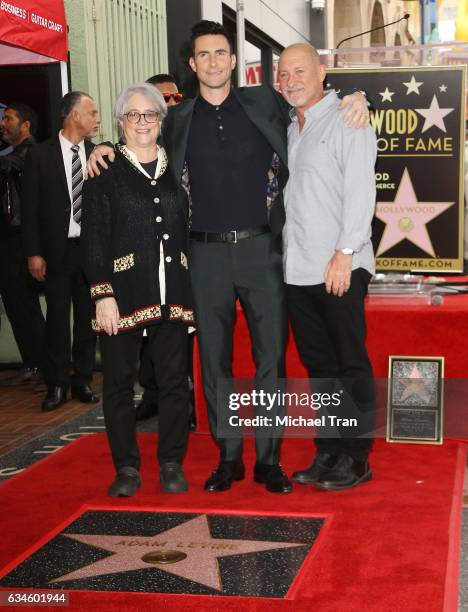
228, 160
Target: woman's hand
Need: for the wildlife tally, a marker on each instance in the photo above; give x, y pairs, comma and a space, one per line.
107, 315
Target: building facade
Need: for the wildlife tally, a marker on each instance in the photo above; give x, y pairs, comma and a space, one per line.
114, 43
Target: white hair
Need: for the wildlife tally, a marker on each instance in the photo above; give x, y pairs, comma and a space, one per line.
153, 95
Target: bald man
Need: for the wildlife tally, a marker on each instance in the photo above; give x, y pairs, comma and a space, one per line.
328, 261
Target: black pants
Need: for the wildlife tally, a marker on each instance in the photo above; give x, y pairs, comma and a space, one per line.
330, 334
20, 297
249, 271
168, 348
64, 285
146, 374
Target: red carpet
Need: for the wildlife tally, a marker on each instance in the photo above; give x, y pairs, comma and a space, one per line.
389, 545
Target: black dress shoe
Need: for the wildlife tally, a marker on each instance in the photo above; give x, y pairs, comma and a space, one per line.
225, 474
320, 467
172, 478
56, 396
146, 410
273, 477
126, 483
346, 474
84, 394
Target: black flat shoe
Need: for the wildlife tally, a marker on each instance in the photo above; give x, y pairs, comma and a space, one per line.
225, 474
347, 474
126, 483
84, 394
172, 478
273, 477
320, 467
56, 396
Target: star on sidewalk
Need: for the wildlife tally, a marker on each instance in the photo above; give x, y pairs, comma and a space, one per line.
413, 86
416, 386
200, 562
434, 115
407, 218
386, 95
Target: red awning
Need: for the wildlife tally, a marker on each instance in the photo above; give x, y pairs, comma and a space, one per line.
36, 25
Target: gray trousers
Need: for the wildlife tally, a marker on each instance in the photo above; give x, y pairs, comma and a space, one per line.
249, 271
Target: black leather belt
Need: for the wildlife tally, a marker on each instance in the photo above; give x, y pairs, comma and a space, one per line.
232, 236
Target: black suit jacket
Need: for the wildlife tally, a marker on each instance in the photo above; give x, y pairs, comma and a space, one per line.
45, 203
267, 111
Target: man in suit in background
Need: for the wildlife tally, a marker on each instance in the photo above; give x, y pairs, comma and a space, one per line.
51, 212
19, 294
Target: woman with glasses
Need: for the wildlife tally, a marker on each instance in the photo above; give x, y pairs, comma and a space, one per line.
134, 247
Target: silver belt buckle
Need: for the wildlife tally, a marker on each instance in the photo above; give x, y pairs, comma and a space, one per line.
235, 236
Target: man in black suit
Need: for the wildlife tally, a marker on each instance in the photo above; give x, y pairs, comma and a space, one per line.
228, 148
51, 212
19, 292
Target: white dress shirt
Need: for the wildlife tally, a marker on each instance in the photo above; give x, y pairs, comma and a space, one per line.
74, 228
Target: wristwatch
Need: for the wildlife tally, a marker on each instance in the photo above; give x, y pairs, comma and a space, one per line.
347, 251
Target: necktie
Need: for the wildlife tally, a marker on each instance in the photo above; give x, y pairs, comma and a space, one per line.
77, 183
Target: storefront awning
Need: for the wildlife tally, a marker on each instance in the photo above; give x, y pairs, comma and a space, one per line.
38, 26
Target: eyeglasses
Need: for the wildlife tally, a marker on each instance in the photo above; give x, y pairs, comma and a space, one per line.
177, 97
150, 116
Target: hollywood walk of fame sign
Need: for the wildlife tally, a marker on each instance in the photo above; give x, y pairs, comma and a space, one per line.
415, 400
170, 552
418, 116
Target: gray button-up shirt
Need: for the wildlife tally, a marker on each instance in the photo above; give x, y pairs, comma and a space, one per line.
330, 195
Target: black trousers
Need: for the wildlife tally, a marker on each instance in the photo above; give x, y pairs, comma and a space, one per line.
146, 374
20, 295
249, 271
330, 334
168, 349
64, 285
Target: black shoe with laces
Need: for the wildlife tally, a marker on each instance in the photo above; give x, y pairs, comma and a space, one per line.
273, 477
346, 474
225, 474
320, 467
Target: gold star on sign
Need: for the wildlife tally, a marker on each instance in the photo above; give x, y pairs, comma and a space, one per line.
386, 95
413, 86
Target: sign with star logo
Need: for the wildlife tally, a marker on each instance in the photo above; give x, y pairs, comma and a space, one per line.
172, 552
415, 399
418, 116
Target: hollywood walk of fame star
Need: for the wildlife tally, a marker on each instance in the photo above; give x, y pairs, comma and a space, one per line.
192, 538
413, 86
386, 95
416, 386
434, 115
443, 88
406, 217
